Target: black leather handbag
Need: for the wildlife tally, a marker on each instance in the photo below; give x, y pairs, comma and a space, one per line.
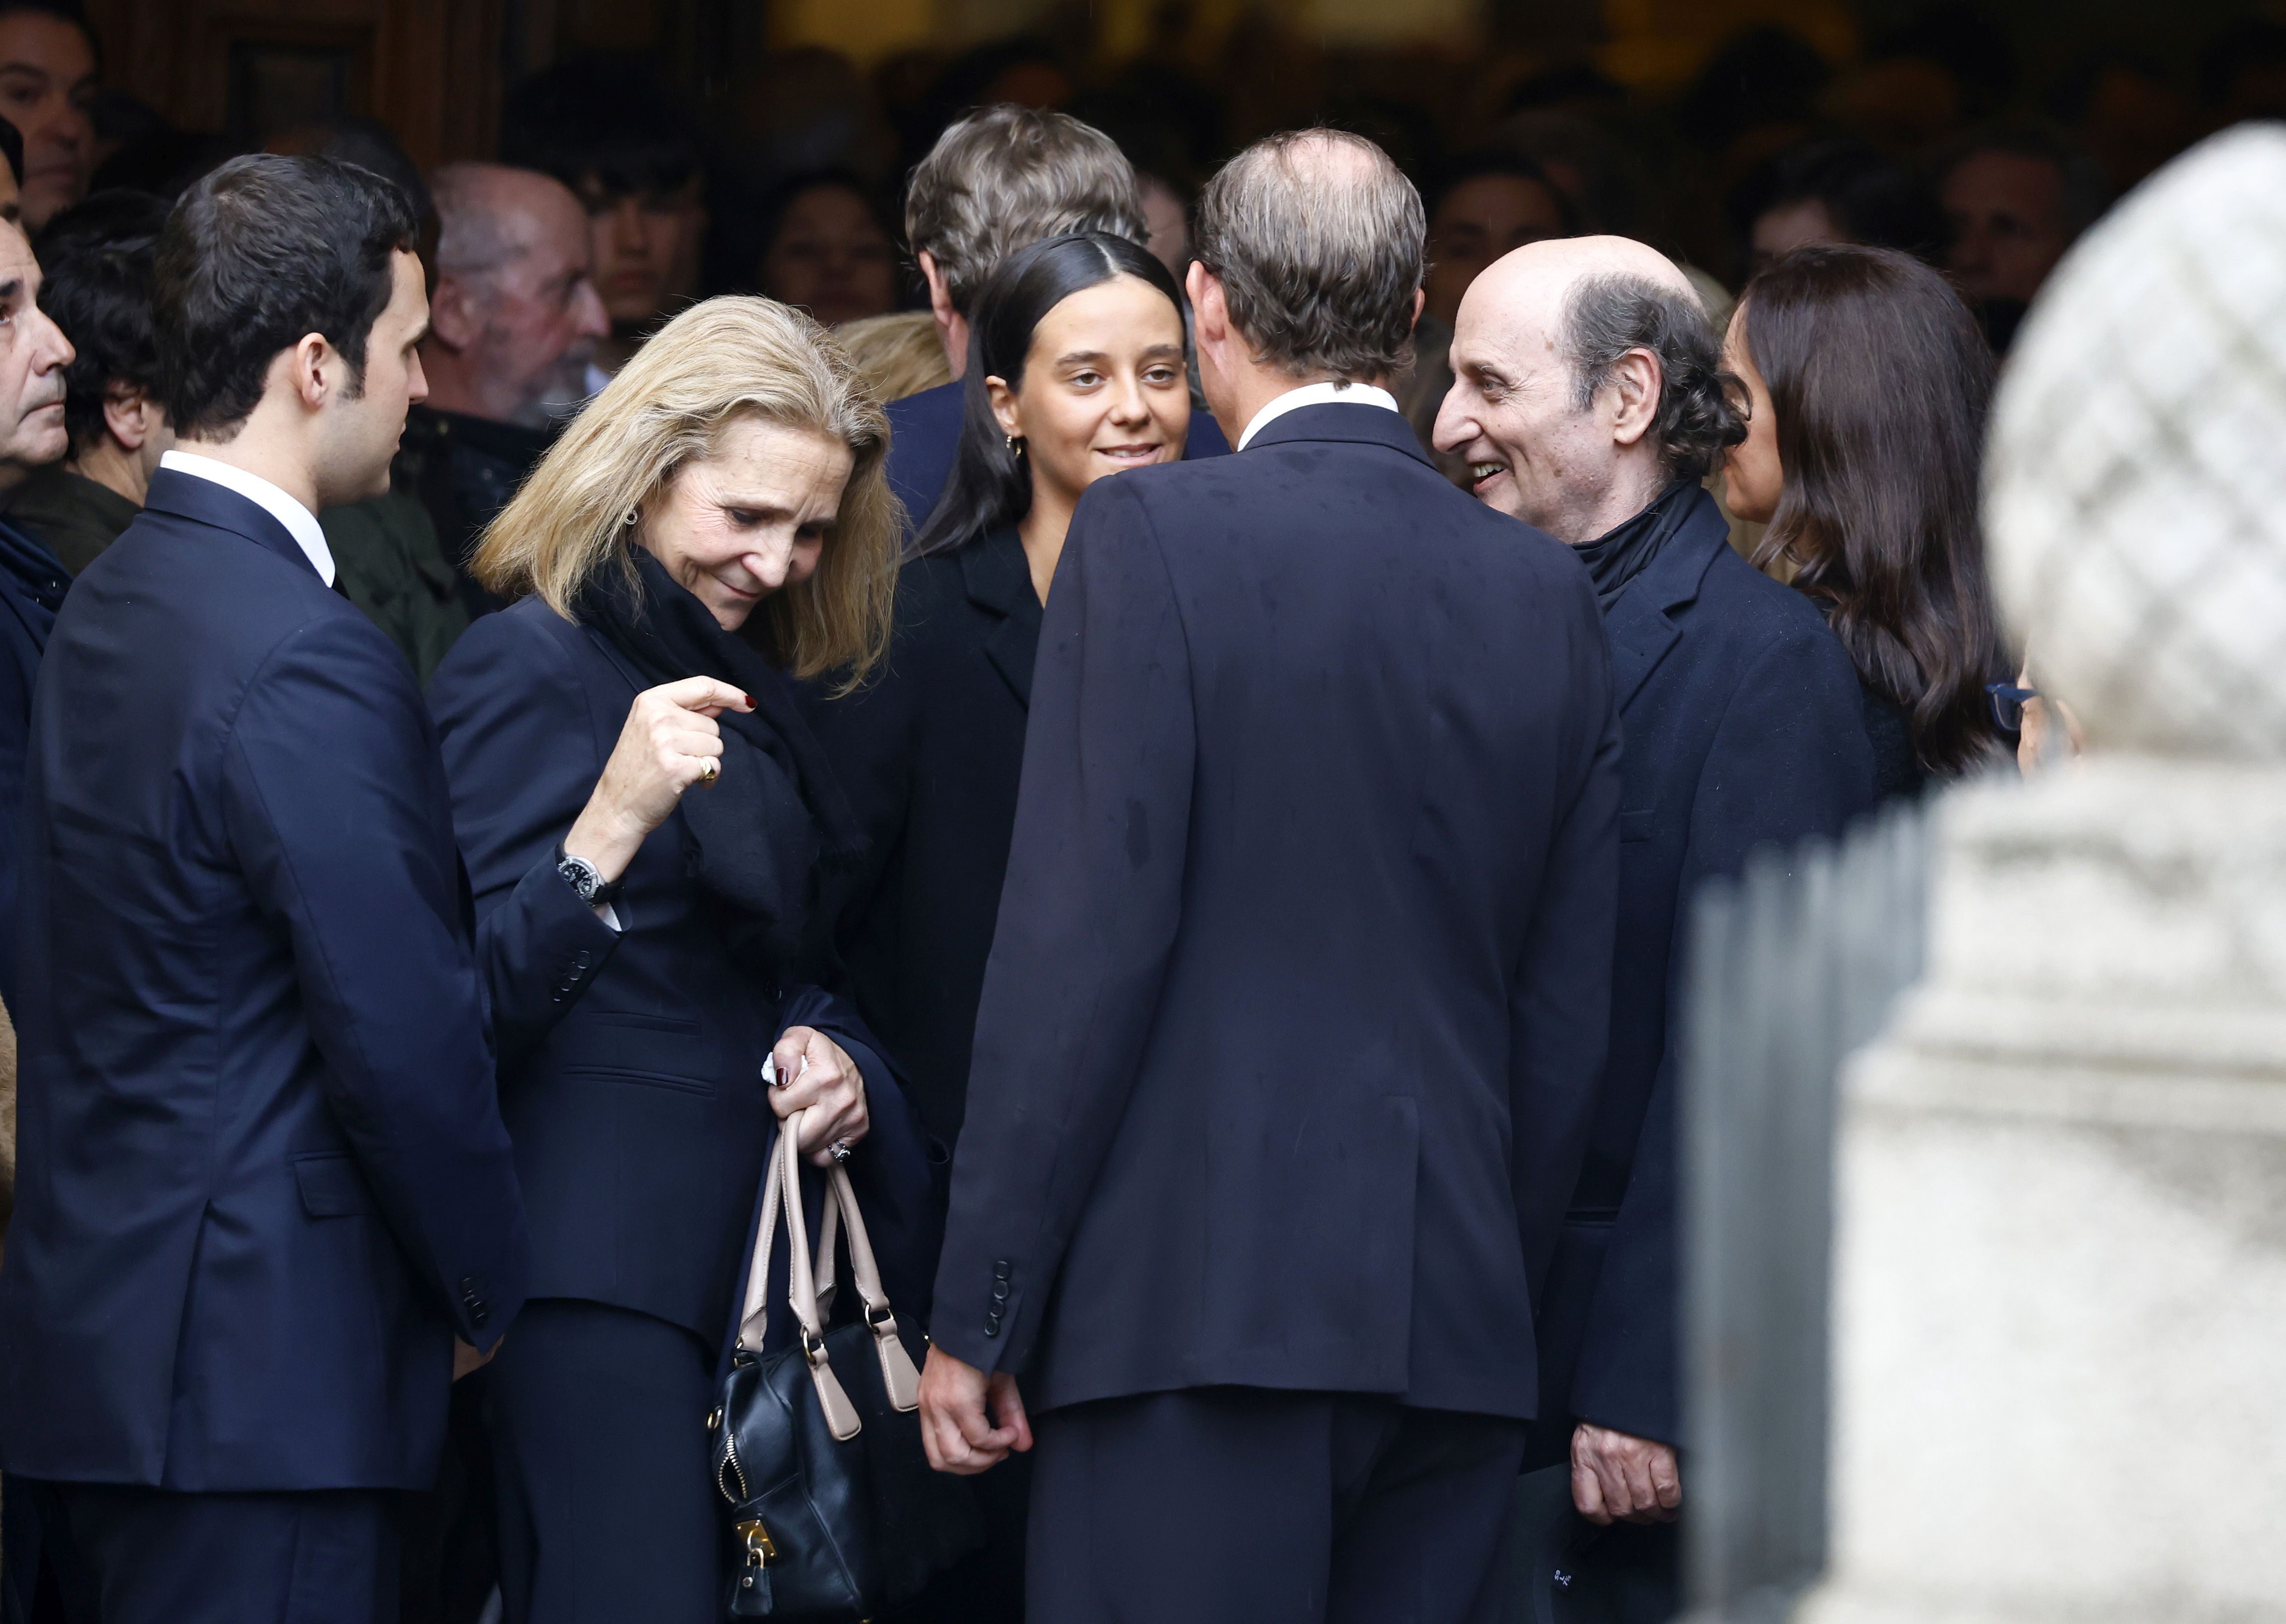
835, 1512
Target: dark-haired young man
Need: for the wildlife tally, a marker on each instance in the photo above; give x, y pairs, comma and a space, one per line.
47, 91
97, 260
1588, 399
266, 1185
1290, 1030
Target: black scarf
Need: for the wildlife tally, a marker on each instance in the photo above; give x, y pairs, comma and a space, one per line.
758, 837
1616, 557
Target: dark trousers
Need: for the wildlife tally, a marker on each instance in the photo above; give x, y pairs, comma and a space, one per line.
987, 1588
1255, 1507
125, 1555
607, 1507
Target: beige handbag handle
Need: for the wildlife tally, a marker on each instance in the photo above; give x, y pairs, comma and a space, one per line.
899, 1379
782, 1196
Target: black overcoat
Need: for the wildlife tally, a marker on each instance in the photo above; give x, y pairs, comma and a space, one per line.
929, 753
1743, 728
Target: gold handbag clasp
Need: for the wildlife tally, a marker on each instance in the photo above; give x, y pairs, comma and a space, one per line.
756, 1539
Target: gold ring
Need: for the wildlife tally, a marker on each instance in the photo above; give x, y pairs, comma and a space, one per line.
709, 770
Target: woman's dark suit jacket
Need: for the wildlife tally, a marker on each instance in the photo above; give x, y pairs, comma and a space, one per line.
631, 1067
930, 753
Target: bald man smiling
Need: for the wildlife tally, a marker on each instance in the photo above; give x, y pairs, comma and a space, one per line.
1588, 400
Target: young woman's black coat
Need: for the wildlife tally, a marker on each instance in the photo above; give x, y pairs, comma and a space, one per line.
929, 753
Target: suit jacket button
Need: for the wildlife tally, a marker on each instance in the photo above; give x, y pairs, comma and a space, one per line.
1000, 1270
992, 1325
477, 1314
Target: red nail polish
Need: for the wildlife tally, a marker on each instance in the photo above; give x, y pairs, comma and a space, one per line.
750, 702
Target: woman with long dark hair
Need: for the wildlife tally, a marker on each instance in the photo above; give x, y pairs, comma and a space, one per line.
1076, 371
1869, 385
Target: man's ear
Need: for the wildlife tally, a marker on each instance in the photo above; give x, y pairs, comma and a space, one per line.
308, 365
940, 293
952, 331
451, 320
1210, 310
1634, 387
129, 414
1420, 299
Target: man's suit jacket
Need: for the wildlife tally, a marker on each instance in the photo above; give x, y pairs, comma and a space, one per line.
262, 1181
1292, 1021
631, 1060
32, 586
930, 752
1743, 728
924, 431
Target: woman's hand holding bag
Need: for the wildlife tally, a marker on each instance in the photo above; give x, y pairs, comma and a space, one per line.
835, 1513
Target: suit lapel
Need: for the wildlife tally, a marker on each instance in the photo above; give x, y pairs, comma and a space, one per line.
999, 581
1638, 625
1641, 635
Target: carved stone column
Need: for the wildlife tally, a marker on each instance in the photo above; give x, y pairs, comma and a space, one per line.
2061, 1288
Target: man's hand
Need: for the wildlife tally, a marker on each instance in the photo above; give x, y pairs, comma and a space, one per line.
1615, 1478
954, 1428
466, 1359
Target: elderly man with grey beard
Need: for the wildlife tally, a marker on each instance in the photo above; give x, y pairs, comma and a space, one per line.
1289, 1033
513, 324
1589, 400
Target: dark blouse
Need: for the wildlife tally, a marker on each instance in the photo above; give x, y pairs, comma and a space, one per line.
930, 753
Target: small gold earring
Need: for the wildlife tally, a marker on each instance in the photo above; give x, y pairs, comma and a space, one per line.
1015, 448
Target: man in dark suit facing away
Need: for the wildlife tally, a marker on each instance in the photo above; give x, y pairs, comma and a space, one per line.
263, 1184
999, 179
1292, 1020
1589, 399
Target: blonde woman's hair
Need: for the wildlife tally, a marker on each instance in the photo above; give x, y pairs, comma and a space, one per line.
717, 363
898, 355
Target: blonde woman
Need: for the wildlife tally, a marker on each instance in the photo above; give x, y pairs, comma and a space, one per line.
646, 823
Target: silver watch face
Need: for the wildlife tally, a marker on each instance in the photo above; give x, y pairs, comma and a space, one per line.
584, 879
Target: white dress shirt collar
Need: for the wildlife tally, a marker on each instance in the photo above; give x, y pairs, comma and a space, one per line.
1316, 394
300, 523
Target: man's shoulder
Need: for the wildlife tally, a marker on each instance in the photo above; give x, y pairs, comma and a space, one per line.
198, 589
1330, 487
73, 515
935, 407
1757, 611
927, 423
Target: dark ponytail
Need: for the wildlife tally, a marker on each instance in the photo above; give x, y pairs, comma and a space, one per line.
990, 487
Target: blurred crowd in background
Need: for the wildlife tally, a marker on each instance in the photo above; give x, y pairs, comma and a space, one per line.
1938, 138
616, 194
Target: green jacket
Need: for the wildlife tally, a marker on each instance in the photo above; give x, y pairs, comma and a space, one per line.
73, 515
389, 564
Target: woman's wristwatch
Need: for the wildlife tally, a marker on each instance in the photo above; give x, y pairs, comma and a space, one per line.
580, 875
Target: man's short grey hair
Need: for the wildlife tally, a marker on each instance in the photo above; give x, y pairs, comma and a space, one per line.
1320, 244
1700, 405
1004, 178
